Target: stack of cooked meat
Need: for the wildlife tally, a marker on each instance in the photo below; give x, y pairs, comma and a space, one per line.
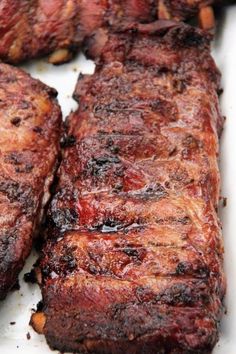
32, 28
132, 258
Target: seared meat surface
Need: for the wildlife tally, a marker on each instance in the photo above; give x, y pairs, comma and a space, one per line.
133, 260
33, 28
30, 120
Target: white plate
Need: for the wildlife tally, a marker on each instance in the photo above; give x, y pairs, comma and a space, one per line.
17, 308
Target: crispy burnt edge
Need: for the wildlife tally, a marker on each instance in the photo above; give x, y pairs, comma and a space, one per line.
93, 45
46, 195
39, 318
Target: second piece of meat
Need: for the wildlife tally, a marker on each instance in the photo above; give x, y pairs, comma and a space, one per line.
30, 128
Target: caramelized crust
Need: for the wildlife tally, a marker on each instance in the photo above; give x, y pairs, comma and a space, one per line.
33, 28
133, 261
30, 121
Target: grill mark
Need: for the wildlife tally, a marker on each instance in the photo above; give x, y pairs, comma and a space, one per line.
19, 193
63, 219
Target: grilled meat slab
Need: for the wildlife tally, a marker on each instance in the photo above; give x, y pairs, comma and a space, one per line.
30, 120
33, 28
133, 260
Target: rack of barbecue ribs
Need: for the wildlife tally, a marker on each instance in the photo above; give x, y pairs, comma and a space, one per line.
133, 258
30, 28
30, 121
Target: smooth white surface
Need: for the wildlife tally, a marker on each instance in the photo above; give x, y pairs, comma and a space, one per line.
225, 55
19, 304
